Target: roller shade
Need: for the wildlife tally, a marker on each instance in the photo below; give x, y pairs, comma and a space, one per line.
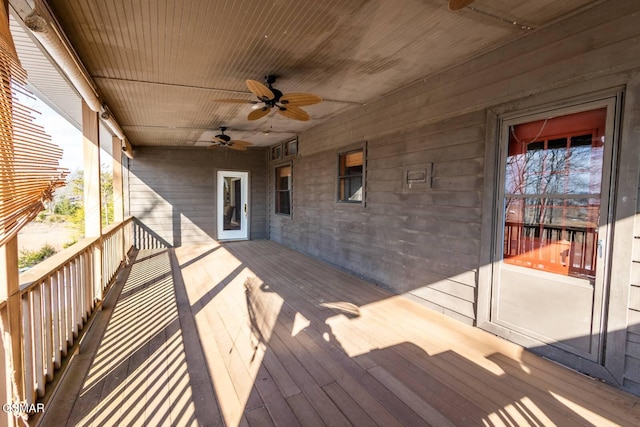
353, 159
29, 161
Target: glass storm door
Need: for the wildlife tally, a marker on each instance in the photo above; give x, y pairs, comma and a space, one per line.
233, 205
552, 241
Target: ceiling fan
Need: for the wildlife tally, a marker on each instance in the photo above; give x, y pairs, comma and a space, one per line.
459, 4
287, 105
223, 140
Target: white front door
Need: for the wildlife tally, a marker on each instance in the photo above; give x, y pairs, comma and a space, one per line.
233, 205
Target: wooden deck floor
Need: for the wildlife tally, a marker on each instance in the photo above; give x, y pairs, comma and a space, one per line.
252, 333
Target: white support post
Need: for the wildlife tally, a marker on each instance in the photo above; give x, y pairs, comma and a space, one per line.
118, 194
118, 199
91, 152
92, 205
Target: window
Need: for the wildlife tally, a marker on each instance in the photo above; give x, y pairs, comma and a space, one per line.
351, 176
553, 193
276, 152
283, 190
291, 148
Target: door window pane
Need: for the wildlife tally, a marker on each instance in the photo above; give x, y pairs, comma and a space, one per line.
552, 193
232, 204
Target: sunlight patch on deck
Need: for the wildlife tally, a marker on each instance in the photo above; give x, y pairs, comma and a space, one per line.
235, 312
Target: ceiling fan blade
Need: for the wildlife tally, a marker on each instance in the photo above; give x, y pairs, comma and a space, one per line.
238, 142
235, 101
300, 99
256, 114
260, 90
213, 146
459, 4
239, 145
215, 138
295, 113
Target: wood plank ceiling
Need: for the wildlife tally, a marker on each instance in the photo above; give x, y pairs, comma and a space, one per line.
160, 65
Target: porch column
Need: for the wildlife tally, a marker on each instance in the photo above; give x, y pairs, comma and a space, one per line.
118, 194
118, 197
92, 205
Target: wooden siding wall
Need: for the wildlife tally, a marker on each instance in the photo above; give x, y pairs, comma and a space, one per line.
173, 191
390, 238
632, 362
427, 242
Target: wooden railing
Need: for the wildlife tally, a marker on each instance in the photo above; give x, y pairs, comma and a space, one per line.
59, 295
563, 250
114, 239
145, 238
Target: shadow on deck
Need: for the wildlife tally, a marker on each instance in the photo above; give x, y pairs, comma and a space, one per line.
253, 333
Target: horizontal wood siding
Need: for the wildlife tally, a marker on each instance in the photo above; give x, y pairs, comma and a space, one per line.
427, 242
389, 239
632, 361
172, 191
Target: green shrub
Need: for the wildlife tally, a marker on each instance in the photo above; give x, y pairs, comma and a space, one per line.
70, 243
65, 207
30, 258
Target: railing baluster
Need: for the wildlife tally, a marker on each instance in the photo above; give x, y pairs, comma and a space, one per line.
73, 306
107, 260
27, 317
38, 353
87, 301
48, 328
68, 287
86, 259
55, 321
64, 312
79, 301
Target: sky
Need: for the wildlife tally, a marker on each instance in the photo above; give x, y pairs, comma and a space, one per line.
63, 134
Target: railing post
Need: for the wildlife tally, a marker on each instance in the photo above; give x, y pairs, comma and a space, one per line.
12, 369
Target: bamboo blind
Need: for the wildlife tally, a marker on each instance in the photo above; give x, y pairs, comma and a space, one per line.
29, 161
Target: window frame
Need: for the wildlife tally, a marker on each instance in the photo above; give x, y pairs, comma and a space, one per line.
276, 152
290, 148
277, 191
361, 146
